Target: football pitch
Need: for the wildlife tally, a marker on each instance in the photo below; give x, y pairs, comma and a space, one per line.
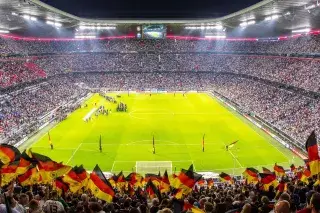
177, 123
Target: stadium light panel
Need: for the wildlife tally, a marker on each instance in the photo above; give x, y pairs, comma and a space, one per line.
26, 17
272, 17
304, 30
309, 7
4, 31
57, 24
243, 24
50, 22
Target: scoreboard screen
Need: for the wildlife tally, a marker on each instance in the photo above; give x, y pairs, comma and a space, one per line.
154, 31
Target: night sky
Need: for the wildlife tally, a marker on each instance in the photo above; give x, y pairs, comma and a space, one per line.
162, 9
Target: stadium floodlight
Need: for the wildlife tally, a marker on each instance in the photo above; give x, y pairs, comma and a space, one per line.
243, 24
4, 31
215, 27
26, 17
304, 30
32, 18
272, 17
309, 7
57, 24
50, 22
268, 18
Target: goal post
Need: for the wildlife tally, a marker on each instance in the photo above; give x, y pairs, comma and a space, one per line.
153, 167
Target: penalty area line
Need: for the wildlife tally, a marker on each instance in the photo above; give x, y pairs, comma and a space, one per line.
234, 157
74, 153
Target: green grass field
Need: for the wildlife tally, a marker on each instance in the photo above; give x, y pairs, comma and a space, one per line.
177, 123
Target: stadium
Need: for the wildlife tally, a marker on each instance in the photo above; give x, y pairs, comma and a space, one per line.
214, 114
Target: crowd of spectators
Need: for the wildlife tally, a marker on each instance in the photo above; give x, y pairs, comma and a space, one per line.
21, 110
298, 197
298, 72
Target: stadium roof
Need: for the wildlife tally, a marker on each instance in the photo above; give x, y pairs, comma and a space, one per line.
293, 14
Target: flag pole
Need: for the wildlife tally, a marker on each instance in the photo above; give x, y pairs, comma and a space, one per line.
100, 145
203, 142
153, 144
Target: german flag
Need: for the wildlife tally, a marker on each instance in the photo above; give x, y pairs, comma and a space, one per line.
152, 190
156, 179
60, 186
49, 169
8, 172
210, 183
134, 179
305, 176
186, 180
266, 171
313, 154
130, 190
178, 193
251, 175
282, 187
201, 182
268, 180
172, 179
293, 168
279, 170
188, 207
77, 177
31, 177
225, 177
120, 181
165, 183
100, 186
9, 153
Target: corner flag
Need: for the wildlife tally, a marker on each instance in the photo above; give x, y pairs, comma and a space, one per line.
231, 145
49, 140
154, 148
203, 142
100, 144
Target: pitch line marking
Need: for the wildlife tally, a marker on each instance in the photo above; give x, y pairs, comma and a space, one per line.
112, 166
234, 157
74, 153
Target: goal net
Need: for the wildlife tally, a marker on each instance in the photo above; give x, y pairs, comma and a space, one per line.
144, 167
